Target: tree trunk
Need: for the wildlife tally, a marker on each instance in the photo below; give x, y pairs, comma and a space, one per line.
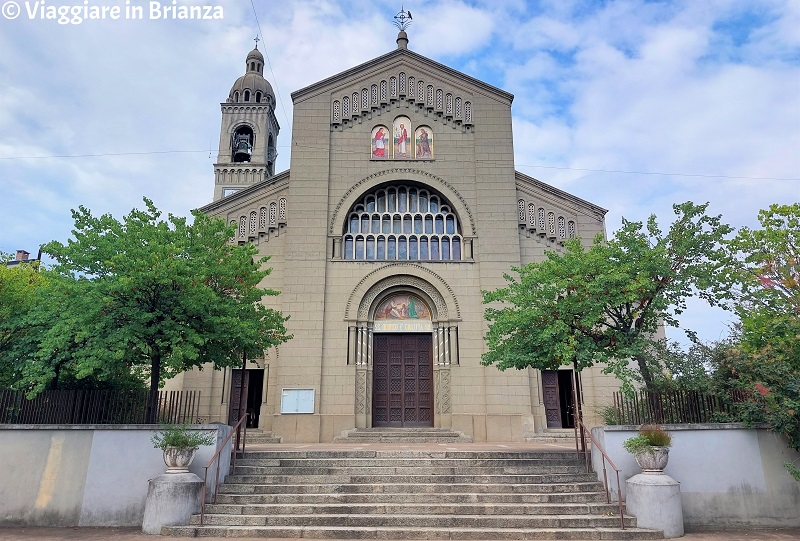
656, 414
152, 399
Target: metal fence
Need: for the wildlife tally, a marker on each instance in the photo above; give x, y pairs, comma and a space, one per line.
674, 407
97, 407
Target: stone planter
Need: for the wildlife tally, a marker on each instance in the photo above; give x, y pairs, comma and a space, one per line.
178, 459
653, 461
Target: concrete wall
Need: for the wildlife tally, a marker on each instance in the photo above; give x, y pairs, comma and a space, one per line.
85, 475
730, 475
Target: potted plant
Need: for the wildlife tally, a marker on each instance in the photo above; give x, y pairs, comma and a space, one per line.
650, 448
180, 444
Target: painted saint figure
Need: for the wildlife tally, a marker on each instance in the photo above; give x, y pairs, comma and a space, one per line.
379, 143
401, 135
402, 307
423, 144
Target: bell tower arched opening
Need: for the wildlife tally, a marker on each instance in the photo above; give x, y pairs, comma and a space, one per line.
242, 144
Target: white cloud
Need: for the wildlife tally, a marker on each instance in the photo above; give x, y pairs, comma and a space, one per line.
677, 86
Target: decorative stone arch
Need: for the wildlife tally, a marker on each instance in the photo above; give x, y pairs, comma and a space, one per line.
243, 122
394, 277
369, 293
458, 203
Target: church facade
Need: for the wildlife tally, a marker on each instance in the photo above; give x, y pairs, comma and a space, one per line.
400, 206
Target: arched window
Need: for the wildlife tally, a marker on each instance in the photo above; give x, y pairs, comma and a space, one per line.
273, 212
282, 209
258, 97
402, 222
236, 97
246, 95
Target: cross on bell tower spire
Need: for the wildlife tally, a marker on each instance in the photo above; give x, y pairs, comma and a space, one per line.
256, 40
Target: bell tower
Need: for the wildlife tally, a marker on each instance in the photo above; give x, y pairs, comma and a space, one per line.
248, 138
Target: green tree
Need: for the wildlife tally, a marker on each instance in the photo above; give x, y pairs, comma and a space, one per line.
674, 369
18, 287
764, 284
604, 304
764, 281
153, 297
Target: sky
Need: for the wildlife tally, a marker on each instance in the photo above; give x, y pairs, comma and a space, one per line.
634, 105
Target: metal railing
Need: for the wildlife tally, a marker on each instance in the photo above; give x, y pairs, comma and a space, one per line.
97, 407
238, 429
674, 407
580, 448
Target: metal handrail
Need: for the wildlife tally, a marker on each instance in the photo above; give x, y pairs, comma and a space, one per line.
595, 445
236, 429
580, 447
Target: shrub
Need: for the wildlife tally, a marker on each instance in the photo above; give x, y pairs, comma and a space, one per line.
649, 436
181, 437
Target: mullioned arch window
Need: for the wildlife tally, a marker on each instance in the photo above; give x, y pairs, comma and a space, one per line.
402, 223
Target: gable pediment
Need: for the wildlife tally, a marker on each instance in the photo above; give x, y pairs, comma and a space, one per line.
552, 213
400, 59
403, 78
260, 210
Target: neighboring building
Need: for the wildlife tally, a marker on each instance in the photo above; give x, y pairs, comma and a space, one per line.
400, 206
23, 257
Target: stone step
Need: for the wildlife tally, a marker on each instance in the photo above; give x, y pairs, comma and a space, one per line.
423, 521
418, 497
405, 494
256, 436
401, 507
383, 470
401, 435
553, 435
410, 454
587, 485
406, 462
413, 532
378, 478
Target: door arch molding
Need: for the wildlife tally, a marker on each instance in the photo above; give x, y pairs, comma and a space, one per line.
430, 285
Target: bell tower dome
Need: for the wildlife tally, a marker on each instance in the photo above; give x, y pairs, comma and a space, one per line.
249, 132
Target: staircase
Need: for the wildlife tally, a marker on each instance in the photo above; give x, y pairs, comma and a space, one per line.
256, 436
552, 435
402, 435
411, 494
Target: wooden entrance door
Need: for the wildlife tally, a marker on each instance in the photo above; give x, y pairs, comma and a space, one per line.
402, 380
552, 407
559, 400
237, 386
